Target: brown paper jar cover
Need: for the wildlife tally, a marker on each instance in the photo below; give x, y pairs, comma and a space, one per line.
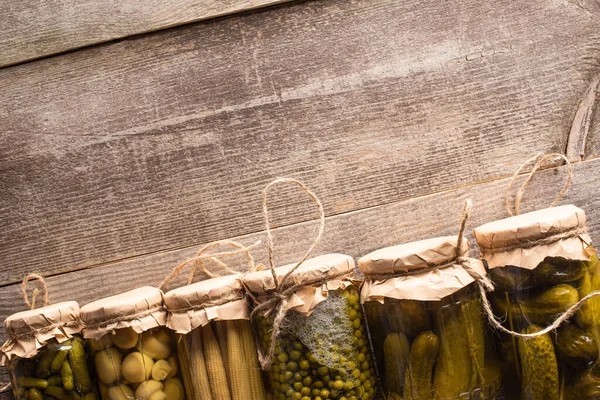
500, 240
196, 305
318, 276
30, 330
431, 285
140, 309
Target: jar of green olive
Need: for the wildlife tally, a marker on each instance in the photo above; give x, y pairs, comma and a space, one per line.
426, 322
322, 350
131, 349
46, 356
542, 263
215, 343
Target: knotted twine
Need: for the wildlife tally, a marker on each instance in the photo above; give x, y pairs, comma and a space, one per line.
6, 386
199, 260
483, 288
277, 303
36, 291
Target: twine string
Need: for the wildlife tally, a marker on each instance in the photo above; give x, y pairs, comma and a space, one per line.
200, 260
5, 386
538, 162
557, 322
279, 297
35, 292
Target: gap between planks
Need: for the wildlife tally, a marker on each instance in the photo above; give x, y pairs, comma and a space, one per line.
305, 222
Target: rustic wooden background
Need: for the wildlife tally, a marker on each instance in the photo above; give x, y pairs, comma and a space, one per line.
132, 132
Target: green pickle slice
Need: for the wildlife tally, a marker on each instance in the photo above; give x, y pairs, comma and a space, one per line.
323, 356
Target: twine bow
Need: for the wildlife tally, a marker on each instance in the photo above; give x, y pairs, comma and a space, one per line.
279, 296
36, 291
199, 261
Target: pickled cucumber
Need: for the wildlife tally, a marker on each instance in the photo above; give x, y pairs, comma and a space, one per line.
509, 278
554, 271
474, 324
396, 350
423, 354
539, 368
539, 309
575, 347
452, 373
32, 374
410, 317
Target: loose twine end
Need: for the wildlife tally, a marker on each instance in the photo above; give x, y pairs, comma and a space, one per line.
538, 162
277, 303
36, 291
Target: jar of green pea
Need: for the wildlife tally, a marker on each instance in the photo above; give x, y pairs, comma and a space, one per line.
323, 350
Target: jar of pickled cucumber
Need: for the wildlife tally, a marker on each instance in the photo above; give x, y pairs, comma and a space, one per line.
426, 322
323, 350
541, 264
215, 344
132, 351
46, 356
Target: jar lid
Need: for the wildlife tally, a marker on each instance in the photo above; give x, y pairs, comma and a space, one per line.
195, 305
140, 309
412, 256
30, 330
423, 270
525, 240
312, 271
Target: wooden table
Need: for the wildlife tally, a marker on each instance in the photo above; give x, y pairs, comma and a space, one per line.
132, 134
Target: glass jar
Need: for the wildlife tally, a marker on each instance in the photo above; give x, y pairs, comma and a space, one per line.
323, 350
541, 264
59, 368
215, 343
426, 323
133, 353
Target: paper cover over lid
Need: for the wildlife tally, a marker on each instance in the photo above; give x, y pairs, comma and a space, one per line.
422, 270
195, 305
411, 256
317, 276
525, 240
140, 309
30, 330
314, 270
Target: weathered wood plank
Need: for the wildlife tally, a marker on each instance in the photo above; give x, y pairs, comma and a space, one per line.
33, 29
354, 233
162, 142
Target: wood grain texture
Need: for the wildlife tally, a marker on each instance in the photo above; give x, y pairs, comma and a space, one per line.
355, 233
32, 29
163, 141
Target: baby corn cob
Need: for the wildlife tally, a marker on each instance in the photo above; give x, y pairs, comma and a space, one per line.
257, 389
200, 376
238, 378
214, 365
185, 364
